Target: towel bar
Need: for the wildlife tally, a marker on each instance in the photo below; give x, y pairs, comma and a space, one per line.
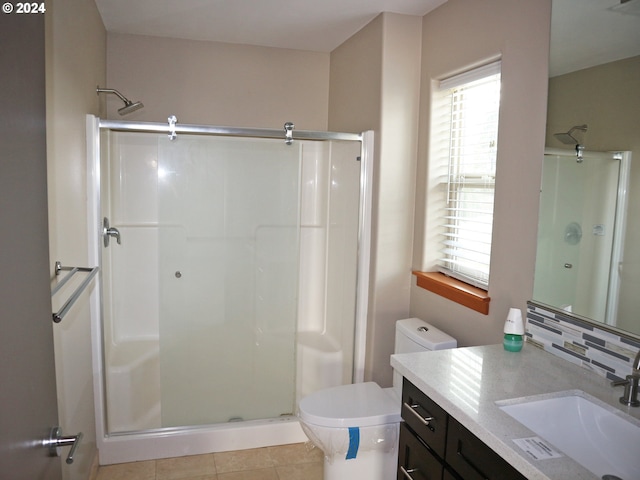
57, 317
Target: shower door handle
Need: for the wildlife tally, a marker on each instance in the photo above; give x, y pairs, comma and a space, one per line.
108, 232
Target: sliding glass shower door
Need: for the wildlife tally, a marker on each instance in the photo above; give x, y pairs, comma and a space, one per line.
228, 269
201, 292
576, 258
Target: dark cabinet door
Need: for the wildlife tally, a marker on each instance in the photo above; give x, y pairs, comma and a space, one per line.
415, 460
472, 459
425, 417
448, 475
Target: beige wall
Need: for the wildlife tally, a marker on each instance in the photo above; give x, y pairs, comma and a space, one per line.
356, 81
216, 83
76, 60
607, 99
456, 36
375, 84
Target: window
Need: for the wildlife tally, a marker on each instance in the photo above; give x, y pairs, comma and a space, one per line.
465, 140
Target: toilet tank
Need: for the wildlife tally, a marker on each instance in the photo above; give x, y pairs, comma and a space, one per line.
415, 335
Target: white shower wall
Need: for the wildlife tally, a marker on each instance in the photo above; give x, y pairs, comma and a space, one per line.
130, 282
329, 243
329, 194
575, 275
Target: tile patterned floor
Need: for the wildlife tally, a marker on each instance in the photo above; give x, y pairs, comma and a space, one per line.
300, 461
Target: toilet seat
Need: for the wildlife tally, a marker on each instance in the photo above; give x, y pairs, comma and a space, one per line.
356, 405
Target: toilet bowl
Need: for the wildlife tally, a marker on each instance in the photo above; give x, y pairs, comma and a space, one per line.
356, 426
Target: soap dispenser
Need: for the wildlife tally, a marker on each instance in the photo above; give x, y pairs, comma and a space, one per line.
513, 331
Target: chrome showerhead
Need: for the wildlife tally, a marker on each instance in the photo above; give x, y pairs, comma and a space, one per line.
129, 106
567, 138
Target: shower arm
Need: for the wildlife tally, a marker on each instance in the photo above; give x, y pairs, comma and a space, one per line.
111, 90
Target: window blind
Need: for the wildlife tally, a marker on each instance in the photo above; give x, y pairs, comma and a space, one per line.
465, 135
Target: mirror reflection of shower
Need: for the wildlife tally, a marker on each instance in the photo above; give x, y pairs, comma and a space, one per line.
568, 138
129, 106
579, 261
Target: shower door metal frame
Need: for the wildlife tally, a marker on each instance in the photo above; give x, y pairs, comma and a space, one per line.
117, 448
171, 127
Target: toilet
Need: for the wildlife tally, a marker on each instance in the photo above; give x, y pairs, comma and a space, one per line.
356, 426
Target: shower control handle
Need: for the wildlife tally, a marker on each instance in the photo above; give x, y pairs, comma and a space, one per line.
108, 232
113, 232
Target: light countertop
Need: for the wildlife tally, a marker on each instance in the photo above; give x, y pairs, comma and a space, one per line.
467, 383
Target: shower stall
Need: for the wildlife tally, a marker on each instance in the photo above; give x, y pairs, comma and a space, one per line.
233, 281
581, 231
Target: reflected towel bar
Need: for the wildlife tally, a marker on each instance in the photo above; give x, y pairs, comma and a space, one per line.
57, 317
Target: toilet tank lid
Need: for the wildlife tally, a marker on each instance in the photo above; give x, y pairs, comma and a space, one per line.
425, 335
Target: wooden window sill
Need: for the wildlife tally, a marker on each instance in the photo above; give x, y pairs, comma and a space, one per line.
455, 290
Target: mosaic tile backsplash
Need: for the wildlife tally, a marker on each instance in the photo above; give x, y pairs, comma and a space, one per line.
603, 352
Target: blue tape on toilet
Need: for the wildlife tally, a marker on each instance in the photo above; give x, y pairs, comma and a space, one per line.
354, 442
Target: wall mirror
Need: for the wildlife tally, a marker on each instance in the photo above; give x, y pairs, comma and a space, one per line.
588, 258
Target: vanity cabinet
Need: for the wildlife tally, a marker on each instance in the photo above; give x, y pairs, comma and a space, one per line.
435, 446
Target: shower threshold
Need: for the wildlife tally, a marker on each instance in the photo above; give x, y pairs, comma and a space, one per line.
181, 441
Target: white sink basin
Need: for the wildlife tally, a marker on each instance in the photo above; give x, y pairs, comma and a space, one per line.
599, 437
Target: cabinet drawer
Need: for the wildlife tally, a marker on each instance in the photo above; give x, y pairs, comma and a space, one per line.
425, 417
447, 475
415, 460
472, 459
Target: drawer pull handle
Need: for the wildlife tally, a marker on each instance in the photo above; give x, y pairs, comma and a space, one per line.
469, 462
407, 473
412, 408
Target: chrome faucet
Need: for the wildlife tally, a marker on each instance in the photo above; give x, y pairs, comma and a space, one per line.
630, 396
